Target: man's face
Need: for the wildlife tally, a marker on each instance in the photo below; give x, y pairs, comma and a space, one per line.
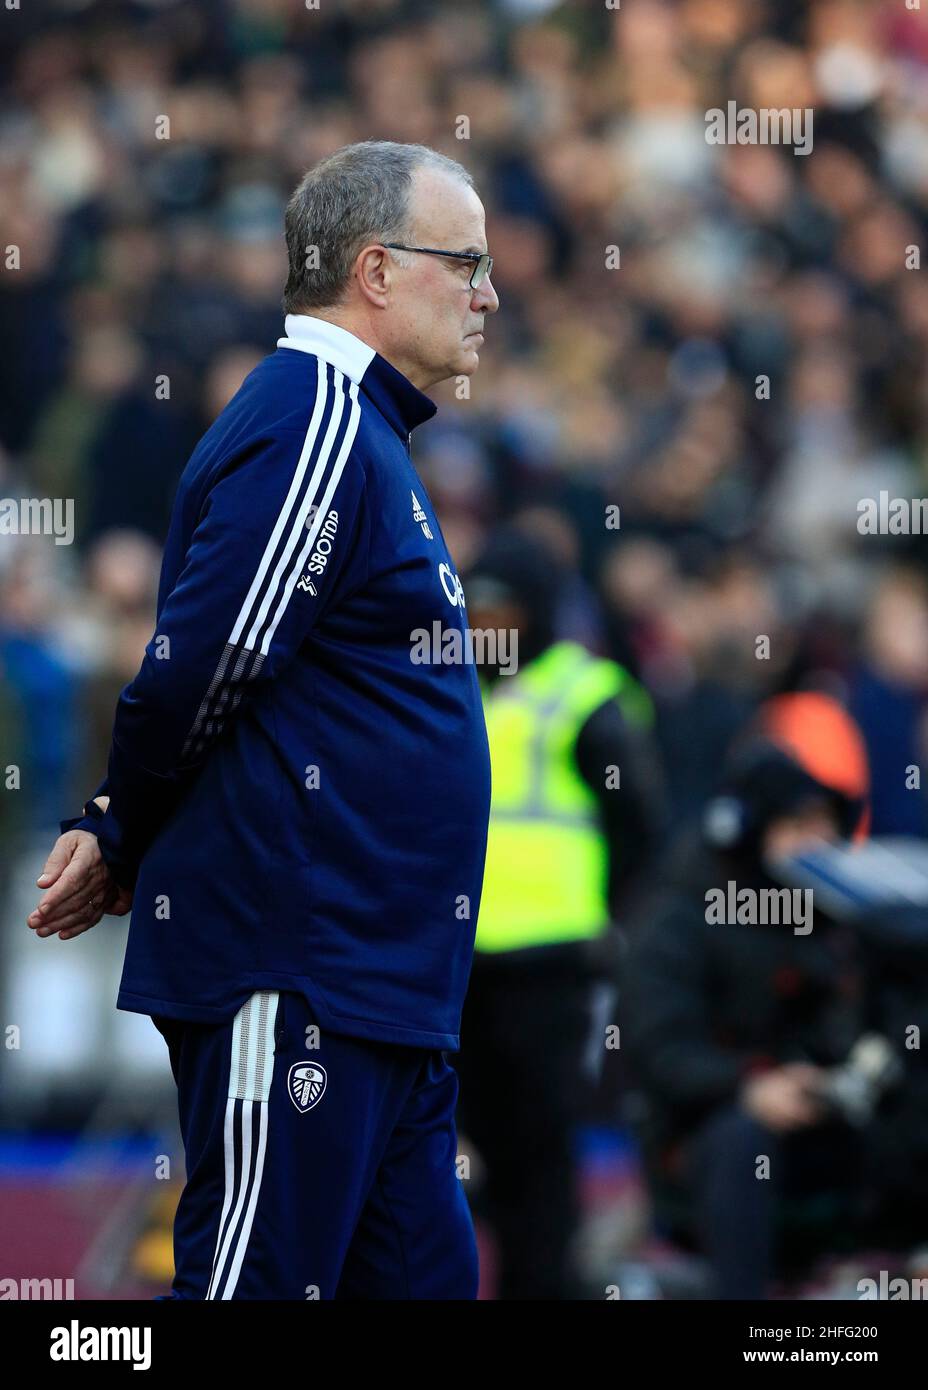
789, 835
437, 319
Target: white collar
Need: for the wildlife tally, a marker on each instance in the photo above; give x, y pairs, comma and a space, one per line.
349, 353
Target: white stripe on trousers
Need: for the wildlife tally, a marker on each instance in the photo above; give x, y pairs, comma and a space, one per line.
251, 1070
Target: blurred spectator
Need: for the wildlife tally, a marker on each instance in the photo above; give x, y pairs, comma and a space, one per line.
889, 699
574, 821
40, 692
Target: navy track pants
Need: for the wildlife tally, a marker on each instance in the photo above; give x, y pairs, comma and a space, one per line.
318, 1165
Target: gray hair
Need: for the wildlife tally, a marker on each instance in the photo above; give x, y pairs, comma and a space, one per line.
356, 195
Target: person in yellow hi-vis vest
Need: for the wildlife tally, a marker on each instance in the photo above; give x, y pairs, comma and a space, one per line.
574, 819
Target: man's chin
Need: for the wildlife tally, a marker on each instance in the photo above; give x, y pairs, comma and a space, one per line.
464, 363
468, 362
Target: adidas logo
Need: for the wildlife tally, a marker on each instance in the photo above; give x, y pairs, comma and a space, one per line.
419, 515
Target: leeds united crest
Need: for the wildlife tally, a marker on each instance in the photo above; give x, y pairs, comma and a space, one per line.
306, 1084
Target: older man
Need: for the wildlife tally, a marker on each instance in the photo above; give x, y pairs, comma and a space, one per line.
296, 810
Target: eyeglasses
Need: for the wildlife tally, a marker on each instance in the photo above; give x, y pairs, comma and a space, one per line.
483, 262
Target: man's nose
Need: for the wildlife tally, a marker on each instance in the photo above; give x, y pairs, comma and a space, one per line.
485, 297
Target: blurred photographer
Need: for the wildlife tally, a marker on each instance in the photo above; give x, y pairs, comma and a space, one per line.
737, 1018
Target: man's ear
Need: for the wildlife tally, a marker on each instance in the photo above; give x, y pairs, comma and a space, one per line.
373, 271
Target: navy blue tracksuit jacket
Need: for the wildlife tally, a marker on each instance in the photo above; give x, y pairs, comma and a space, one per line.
299, 805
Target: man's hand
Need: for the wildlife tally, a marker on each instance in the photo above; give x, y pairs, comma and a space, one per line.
80, 887
784, 1098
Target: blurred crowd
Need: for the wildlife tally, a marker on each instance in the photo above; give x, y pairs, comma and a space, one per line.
752, 367
728, 344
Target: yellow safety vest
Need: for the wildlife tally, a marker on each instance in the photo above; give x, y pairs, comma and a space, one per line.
547, 865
